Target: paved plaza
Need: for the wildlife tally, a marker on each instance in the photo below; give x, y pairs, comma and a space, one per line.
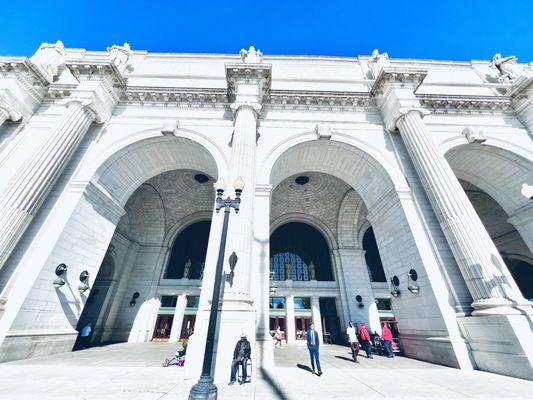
133, 371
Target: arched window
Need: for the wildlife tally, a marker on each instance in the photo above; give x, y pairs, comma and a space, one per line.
373, 260
302, 249
187, 259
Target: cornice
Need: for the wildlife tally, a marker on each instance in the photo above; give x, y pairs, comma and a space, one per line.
104, 68
171, 96
23, 70
284, 99
459, 104
248, 73
399, 77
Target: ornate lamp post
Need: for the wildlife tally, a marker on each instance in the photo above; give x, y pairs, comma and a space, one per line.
205, 389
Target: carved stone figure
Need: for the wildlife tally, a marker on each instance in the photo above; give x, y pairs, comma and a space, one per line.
202, 267
312, 271
187, 269
508, 68
288, 271
377, 62
323, 131
48, 58
251, 55
120, 55
474, 135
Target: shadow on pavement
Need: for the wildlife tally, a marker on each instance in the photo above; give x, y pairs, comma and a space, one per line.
345, 358
304, 367
275, 387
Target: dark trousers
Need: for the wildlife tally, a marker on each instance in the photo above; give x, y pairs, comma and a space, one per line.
315, 356
355, 350
235, 369
387, 347
368, 347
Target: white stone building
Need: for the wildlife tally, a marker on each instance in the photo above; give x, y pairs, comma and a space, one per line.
358, 172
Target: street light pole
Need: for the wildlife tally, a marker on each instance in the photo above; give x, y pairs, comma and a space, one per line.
206, 389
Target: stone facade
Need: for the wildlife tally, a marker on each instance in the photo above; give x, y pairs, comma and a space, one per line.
103, 154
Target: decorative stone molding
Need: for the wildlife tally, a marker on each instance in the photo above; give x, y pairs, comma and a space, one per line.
323, 131
314, 100
120, 55
170, 128
248, 83
26, 74
184, 97
103, 202
445, 104
395, 77
474, 135
8, 107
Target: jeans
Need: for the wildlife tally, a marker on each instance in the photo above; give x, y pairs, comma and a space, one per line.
313, 353
387, 347
355, 350
235, 369
368, 347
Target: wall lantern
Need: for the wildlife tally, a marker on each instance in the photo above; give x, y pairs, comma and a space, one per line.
60, 270
359, 300
412, 277
134, 298
395, 282
84, 279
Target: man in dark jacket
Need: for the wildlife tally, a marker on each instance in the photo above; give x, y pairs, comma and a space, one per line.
241, 355
312, 346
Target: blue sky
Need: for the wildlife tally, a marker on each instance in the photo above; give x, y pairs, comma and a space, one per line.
449, 29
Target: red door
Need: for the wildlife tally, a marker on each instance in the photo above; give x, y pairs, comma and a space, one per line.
163, 324
187, 327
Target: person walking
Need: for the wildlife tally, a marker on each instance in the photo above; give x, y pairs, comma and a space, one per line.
364, 337
352, 339
312, 346
386, 336
278, 336
241, 355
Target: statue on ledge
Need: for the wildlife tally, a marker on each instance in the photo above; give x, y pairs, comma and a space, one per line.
251, 56
288, 271
508, 68
312, 271
120, 55
187, 269
377, 62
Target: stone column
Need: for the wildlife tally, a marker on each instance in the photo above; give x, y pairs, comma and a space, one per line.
290, 325
27, 191
317, 317
489, 281
357, 282
177, 321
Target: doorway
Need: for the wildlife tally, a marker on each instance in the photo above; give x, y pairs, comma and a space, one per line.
331, 326
162, 328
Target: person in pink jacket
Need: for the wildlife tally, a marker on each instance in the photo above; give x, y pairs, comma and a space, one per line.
386, 337
364, 339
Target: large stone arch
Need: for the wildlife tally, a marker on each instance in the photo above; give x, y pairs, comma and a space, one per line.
81, 231
500, 173
397, 224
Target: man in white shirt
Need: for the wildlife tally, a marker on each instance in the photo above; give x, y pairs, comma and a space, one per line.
352, 338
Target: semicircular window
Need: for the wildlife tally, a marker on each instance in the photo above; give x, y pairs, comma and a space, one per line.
187, 259
299, 252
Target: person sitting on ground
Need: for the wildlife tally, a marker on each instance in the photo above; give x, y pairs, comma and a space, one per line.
241, 355
386, 336
364, 337
179, 356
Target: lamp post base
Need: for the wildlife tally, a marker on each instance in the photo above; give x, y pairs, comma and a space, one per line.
205, 389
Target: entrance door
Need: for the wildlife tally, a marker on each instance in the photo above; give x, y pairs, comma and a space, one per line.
274, 323
187, 328
330, 320
302, 323
162, 326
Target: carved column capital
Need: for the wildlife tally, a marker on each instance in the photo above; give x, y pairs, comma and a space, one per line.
394, 89
248, 83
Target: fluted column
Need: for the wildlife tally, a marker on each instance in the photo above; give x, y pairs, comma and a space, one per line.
290, 324
240, 231
490, 283
317, 317
31, 184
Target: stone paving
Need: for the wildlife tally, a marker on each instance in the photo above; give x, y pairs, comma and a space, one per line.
133, 371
